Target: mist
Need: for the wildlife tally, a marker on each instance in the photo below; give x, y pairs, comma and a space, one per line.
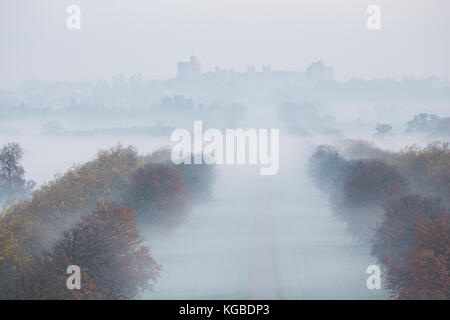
86, 117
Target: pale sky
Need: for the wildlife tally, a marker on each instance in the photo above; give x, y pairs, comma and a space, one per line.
132, 36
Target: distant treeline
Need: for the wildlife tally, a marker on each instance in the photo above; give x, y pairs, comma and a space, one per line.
399, 202
304, 118
52, 128
167, 108
55, 95
91, 217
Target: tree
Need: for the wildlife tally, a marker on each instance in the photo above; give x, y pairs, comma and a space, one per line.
427, 272
383, 128
157, 193
12, 182
324, 166
57, 204
409, 232
107, 247
362, 188
361, 149
422, 122
396, 236
371, 182
15, 255
105, 244
428, 169
197, 178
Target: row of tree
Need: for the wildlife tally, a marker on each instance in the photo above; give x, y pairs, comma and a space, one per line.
428, 123
399, 203
91, 217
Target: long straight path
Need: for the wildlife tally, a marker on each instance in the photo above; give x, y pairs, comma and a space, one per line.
262, 238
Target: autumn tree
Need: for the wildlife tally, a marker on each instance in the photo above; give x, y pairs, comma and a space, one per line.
371, 182
324, 166
157, 193
409, 232
60, 203
32, 224
395, 237
426, 274
16, 242
362, 188
198, 178
428, 169
361, 149
33, 257
107, 247
357, 188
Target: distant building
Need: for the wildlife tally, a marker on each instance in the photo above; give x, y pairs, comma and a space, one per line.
317, 71
189, 69
267, 78
136, 79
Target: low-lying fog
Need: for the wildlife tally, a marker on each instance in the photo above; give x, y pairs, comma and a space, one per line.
263, 237
258, 237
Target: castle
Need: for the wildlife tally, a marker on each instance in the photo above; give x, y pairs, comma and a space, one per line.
316, 71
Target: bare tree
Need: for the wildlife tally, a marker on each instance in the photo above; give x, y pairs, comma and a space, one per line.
12, 180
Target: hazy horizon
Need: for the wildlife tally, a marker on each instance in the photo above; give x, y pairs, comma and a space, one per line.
149, 38
327, 180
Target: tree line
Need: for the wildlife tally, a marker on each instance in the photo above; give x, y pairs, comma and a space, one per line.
397, 201
92, 217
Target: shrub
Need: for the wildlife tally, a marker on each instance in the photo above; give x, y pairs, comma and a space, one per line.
157, 193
